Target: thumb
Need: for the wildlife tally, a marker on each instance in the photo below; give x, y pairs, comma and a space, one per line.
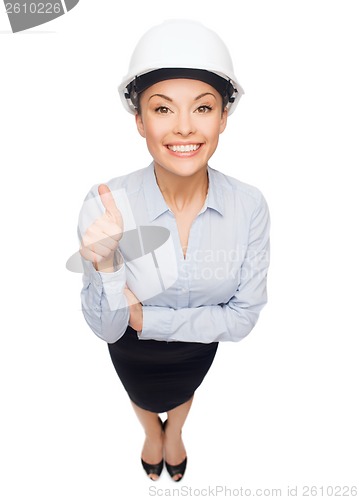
107, 200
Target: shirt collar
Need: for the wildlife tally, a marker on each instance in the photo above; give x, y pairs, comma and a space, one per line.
156, 204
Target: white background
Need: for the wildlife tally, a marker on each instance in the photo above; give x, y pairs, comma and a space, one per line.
278, 409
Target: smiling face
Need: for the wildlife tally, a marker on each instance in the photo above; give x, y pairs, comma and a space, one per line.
181, 121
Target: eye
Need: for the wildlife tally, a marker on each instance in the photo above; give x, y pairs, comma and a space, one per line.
204, 109
162, 110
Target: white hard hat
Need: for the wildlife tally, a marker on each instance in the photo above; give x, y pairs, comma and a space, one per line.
180, 49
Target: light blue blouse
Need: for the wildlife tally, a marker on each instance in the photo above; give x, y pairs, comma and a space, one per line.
214, 294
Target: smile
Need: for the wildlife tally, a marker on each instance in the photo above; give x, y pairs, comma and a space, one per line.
188, 148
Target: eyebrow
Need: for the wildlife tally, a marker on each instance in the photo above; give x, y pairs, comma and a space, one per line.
162, 96
203, 95
171, 100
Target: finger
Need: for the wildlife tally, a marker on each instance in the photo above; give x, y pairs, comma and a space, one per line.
95, 234
107, 227
104, 246
89, 255
108, 201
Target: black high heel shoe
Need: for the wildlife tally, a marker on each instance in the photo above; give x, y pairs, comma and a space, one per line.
173, 470
153, 468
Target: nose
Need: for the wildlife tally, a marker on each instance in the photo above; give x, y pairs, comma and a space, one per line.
184, 124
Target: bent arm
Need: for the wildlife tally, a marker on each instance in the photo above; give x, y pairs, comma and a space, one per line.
103, 301
231, 321
104, 305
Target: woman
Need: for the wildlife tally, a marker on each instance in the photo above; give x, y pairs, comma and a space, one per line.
212, 269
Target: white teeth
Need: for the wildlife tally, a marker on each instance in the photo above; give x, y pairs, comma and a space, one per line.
184, 149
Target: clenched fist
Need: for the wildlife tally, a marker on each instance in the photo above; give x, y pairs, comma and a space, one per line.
101, 239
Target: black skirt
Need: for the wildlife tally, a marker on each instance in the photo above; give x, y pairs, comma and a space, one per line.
159, 375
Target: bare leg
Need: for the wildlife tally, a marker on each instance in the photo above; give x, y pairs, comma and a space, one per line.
175, 451
152, 451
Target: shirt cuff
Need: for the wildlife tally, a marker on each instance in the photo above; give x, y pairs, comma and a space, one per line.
113, 282
110, 286
157, 322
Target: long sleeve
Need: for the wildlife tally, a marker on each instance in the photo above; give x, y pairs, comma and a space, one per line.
231, 321
104, 304
215, 294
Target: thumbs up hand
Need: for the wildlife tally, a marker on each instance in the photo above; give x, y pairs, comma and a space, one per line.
101, 238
